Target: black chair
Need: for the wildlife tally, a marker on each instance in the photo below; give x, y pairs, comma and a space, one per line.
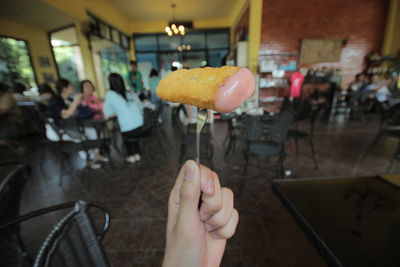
150, 131
13, 177
389, 127
73, 241
272, 147
232, 136
305, 112
67, 130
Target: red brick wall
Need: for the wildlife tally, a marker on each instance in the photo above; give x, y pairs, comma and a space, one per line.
361, 22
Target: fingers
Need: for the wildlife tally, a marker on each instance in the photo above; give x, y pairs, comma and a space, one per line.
228, 230
211, 203
189, 194
221, 218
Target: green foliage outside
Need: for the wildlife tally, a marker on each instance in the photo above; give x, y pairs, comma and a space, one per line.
15, 65
114, 59
66, 64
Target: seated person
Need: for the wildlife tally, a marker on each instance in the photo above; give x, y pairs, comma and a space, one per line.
18, 92
61, 107
90, 100
11, 120
128, 109
46, 94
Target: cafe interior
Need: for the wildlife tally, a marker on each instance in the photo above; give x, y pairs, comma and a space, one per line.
90, 153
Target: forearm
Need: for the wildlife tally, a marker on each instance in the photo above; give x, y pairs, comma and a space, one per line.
67, 113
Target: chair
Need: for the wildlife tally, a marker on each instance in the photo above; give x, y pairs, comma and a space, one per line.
389, 127
73, 241
305, 112
13, 177
71, 139
150, 130
273, 146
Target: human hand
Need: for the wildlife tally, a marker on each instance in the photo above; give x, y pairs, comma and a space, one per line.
197, 238
78, 97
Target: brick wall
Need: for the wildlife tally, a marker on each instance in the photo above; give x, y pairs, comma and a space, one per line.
361, 22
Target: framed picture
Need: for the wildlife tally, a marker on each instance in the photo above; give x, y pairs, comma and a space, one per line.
44, 62
48, 77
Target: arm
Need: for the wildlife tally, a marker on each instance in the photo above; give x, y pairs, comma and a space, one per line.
108, 108
67, 113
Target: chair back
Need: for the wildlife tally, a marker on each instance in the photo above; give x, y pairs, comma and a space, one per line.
303, 110
279, 127
13, 177
73, 242
252, 128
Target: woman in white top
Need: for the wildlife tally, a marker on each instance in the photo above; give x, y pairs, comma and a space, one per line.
128, 109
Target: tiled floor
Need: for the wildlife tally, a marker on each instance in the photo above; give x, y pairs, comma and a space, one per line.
137, 197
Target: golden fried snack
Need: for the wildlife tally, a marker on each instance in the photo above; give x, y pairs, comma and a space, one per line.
222, 89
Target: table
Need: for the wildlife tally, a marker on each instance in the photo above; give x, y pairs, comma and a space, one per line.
351, 221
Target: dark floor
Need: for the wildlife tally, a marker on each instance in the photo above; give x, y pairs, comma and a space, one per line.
137, 197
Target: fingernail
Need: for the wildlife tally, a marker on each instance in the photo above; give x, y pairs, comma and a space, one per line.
190, 170
203, 216
208, 227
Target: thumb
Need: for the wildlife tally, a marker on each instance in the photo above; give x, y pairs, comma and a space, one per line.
189, 194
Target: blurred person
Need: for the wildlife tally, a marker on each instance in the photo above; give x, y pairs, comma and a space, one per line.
46, 94
11, 119
128, 109
61, 107
90, 100
135, 78
154, 80
18, 92
196, 236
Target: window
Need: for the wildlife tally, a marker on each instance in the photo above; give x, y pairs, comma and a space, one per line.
68, 56
15, 63
197, 49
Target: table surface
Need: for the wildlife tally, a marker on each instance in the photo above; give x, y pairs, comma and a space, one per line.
351, 221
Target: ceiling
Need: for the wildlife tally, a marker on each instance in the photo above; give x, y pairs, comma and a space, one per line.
160, 10
35, 13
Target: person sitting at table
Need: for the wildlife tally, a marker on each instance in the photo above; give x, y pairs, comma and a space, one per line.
18, 92
61, 107
128, 109
46, 94
87, 88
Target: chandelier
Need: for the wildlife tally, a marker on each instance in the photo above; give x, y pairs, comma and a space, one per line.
184, 47
172, 28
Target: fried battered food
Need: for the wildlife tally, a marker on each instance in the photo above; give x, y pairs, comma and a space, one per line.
222, 89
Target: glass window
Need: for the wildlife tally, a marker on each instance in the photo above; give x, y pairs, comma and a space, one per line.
217, 40
15, 64
148, 57
168, 43
68, 57
195, 40
217, 57
194, 59
146, 43
166, 60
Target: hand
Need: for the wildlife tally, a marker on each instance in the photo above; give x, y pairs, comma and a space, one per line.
197, 238
78, 97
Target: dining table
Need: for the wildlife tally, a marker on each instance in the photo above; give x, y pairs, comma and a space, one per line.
352, 221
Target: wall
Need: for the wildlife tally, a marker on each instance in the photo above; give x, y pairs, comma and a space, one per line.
362, 22
242, 28
38, 44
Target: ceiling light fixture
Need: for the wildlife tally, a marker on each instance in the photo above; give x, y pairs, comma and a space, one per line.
172, 28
